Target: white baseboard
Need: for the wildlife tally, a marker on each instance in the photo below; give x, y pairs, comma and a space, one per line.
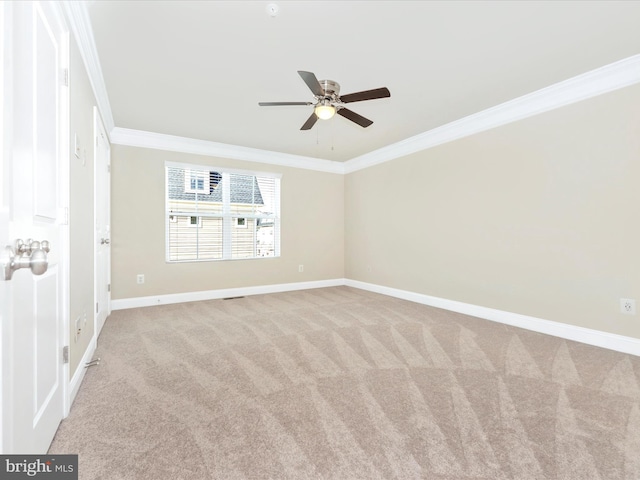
78, 376
589, 336
124, 303
597, 338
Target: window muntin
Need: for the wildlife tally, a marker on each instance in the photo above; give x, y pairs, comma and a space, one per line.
237, 215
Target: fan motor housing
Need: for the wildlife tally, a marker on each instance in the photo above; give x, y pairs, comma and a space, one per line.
331, 88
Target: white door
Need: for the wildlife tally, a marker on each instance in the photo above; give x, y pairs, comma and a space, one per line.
34, 201
102, 171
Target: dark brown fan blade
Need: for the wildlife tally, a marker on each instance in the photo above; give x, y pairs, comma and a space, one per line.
311, 121
366, 95
275, 104
312, 82
354, 117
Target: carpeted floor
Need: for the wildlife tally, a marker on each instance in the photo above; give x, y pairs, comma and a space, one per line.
339, 383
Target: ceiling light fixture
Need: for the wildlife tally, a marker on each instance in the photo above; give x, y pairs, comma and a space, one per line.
324, 110
328, 101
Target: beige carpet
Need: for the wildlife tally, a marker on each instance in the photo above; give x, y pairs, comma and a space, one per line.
339, 383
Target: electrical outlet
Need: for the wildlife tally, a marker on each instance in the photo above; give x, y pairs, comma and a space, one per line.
140, 278
300, 268
628, 306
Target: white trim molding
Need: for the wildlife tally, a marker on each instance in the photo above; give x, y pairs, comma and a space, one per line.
605, 79
78, 376
591, 84
80, 24
611, 341
158, 141
125, 303
582, 87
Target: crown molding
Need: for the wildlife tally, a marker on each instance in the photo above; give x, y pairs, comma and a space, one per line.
602, 80
582, 87
80, 25
158, 141
596, 82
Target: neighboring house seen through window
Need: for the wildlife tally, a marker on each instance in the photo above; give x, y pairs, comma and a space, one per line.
196, 181
236, 214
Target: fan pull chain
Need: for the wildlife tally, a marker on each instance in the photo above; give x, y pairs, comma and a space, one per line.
333, 130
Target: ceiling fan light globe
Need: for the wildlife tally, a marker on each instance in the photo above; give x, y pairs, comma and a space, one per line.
325, 112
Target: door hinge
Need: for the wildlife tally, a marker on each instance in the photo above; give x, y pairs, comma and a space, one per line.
109, 168
97, 310
108, 287
65, 354
65, 77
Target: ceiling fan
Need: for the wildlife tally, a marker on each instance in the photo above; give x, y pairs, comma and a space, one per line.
328, 101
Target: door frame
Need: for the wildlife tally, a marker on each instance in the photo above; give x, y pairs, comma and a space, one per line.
98, 128
6, 307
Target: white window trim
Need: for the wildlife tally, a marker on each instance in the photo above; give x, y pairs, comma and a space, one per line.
225, 172
213, 168
226, 216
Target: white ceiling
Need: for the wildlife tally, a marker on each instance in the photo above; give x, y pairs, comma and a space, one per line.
198, 69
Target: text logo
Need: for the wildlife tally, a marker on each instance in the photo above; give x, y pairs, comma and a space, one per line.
51, 467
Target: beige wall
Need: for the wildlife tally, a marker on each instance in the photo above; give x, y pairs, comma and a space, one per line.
312, 230
81, 214
539, 217
536, 218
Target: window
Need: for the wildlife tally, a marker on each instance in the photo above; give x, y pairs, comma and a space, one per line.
196, 181
217, 214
